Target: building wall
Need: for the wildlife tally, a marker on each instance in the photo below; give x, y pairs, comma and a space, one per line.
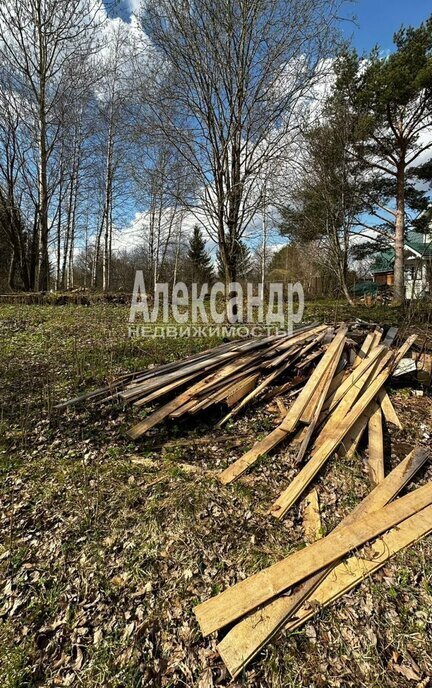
384, 278
416, 278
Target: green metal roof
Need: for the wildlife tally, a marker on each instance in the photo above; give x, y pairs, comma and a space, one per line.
415, 241
383, 262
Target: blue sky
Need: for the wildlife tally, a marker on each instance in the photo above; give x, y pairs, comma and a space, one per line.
378, 20
375, 21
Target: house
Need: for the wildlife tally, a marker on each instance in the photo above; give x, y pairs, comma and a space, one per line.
418, 266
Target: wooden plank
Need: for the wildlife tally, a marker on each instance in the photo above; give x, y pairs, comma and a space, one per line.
286, 387
296, 410
388, 410
378, 333
160, 414
350, 573
312, 525
346, 403
376, 448
323, 453
351, 441
300, 347
321, 390
274, 438
254, 393
165, 390
353, 378
248, 637
223, 359
390, 336
365, 348
309, 359
316, 404
387, 490
146, 387
219, 393
248, 594
242, 643
295, 338
244, 388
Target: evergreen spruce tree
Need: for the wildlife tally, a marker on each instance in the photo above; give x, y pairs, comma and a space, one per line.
201, 269
243, 261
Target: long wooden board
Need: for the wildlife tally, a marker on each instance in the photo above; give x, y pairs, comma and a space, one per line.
376, 448
236, 648
282, 431
353, 378
352, 439
248, 633
312, 413
286, 500
254, 393
337, 418
289, 496
213, 379
296, 410
245, 596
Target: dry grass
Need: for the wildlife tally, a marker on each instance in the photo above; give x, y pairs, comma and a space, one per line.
102, 560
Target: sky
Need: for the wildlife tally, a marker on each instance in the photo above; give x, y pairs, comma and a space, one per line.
374, 23
377, 20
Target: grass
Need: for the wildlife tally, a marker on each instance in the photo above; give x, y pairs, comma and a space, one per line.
102, 560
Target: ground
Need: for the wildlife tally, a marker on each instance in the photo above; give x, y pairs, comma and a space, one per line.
102, 560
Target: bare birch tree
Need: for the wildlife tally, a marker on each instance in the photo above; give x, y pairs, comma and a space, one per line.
38, 40
236, 72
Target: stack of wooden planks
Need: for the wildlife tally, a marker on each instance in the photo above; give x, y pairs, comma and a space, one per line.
259, 606
231, 375
335, 402
331, 414
329, 394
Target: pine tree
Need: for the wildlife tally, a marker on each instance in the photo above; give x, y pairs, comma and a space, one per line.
393, 99
201, 269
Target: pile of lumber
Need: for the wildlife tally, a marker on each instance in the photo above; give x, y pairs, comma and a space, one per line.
231, 375
257, 608
331, 413
330, 393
